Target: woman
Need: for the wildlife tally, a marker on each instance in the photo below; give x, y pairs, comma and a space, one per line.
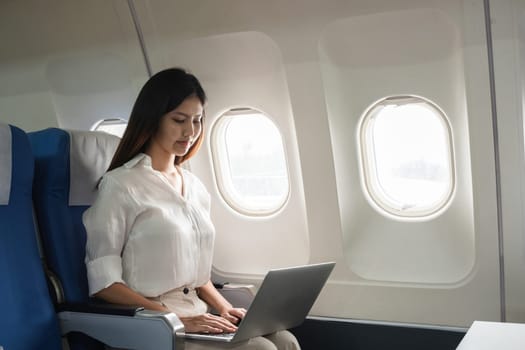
149, 234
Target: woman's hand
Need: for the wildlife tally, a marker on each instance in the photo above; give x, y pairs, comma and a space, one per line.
234, 314
207, 323
212, 297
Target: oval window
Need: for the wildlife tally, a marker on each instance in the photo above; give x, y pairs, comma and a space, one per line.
407, 157
249, 162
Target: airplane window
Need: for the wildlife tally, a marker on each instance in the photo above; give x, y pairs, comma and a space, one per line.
249, 162
407, 157
115, 126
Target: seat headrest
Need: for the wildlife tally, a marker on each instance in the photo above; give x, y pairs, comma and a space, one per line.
90, 155
5, 163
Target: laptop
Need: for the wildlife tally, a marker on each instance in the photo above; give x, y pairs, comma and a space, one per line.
283, 301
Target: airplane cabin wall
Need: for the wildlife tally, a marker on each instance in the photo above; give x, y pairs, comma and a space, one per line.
359, 69
68, 64
508, 32
313, 67
321, 71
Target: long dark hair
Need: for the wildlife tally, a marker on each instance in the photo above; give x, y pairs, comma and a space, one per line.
161, 94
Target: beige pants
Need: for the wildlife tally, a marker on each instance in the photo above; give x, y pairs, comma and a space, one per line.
282, 340
184, 305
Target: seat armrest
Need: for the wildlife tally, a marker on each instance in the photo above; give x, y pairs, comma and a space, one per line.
100, 308
145, 330
239, 295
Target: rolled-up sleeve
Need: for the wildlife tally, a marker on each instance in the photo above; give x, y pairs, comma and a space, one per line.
103, 272
107, 224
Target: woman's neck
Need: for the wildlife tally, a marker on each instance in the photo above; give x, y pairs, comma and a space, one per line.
165, 163
161, 161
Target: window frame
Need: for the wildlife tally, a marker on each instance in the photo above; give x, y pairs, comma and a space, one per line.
371, 184
221, 172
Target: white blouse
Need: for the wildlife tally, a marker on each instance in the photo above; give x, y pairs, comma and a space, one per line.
142, 232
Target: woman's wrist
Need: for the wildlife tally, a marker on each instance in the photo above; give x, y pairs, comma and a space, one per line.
225, 307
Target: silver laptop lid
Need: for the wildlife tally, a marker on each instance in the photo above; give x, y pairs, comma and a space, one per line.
282, 302
284, 299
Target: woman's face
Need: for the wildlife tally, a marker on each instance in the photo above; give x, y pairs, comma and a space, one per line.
179, 128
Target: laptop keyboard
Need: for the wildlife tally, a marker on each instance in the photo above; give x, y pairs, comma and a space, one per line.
222, 335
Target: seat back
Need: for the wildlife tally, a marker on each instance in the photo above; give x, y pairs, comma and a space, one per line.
68, 165
28, 319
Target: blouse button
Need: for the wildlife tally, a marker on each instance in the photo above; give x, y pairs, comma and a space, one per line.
185, 290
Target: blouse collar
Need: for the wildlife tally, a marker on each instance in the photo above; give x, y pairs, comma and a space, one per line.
145, 159
139, 158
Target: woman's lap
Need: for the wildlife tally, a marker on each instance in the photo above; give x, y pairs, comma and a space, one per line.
283, 340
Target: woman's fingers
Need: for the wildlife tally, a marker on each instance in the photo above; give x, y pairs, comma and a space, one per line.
207, 323
238, 312
220, 322
234, 315
232, 319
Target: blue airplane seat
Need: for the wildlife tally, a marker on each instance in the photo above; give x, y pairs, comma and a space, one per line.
63, 191
60, 224
68, 166
28, 319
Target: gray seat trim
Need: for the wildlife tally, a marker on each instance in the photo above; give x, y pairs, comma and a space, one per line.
90, 155
6, 161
